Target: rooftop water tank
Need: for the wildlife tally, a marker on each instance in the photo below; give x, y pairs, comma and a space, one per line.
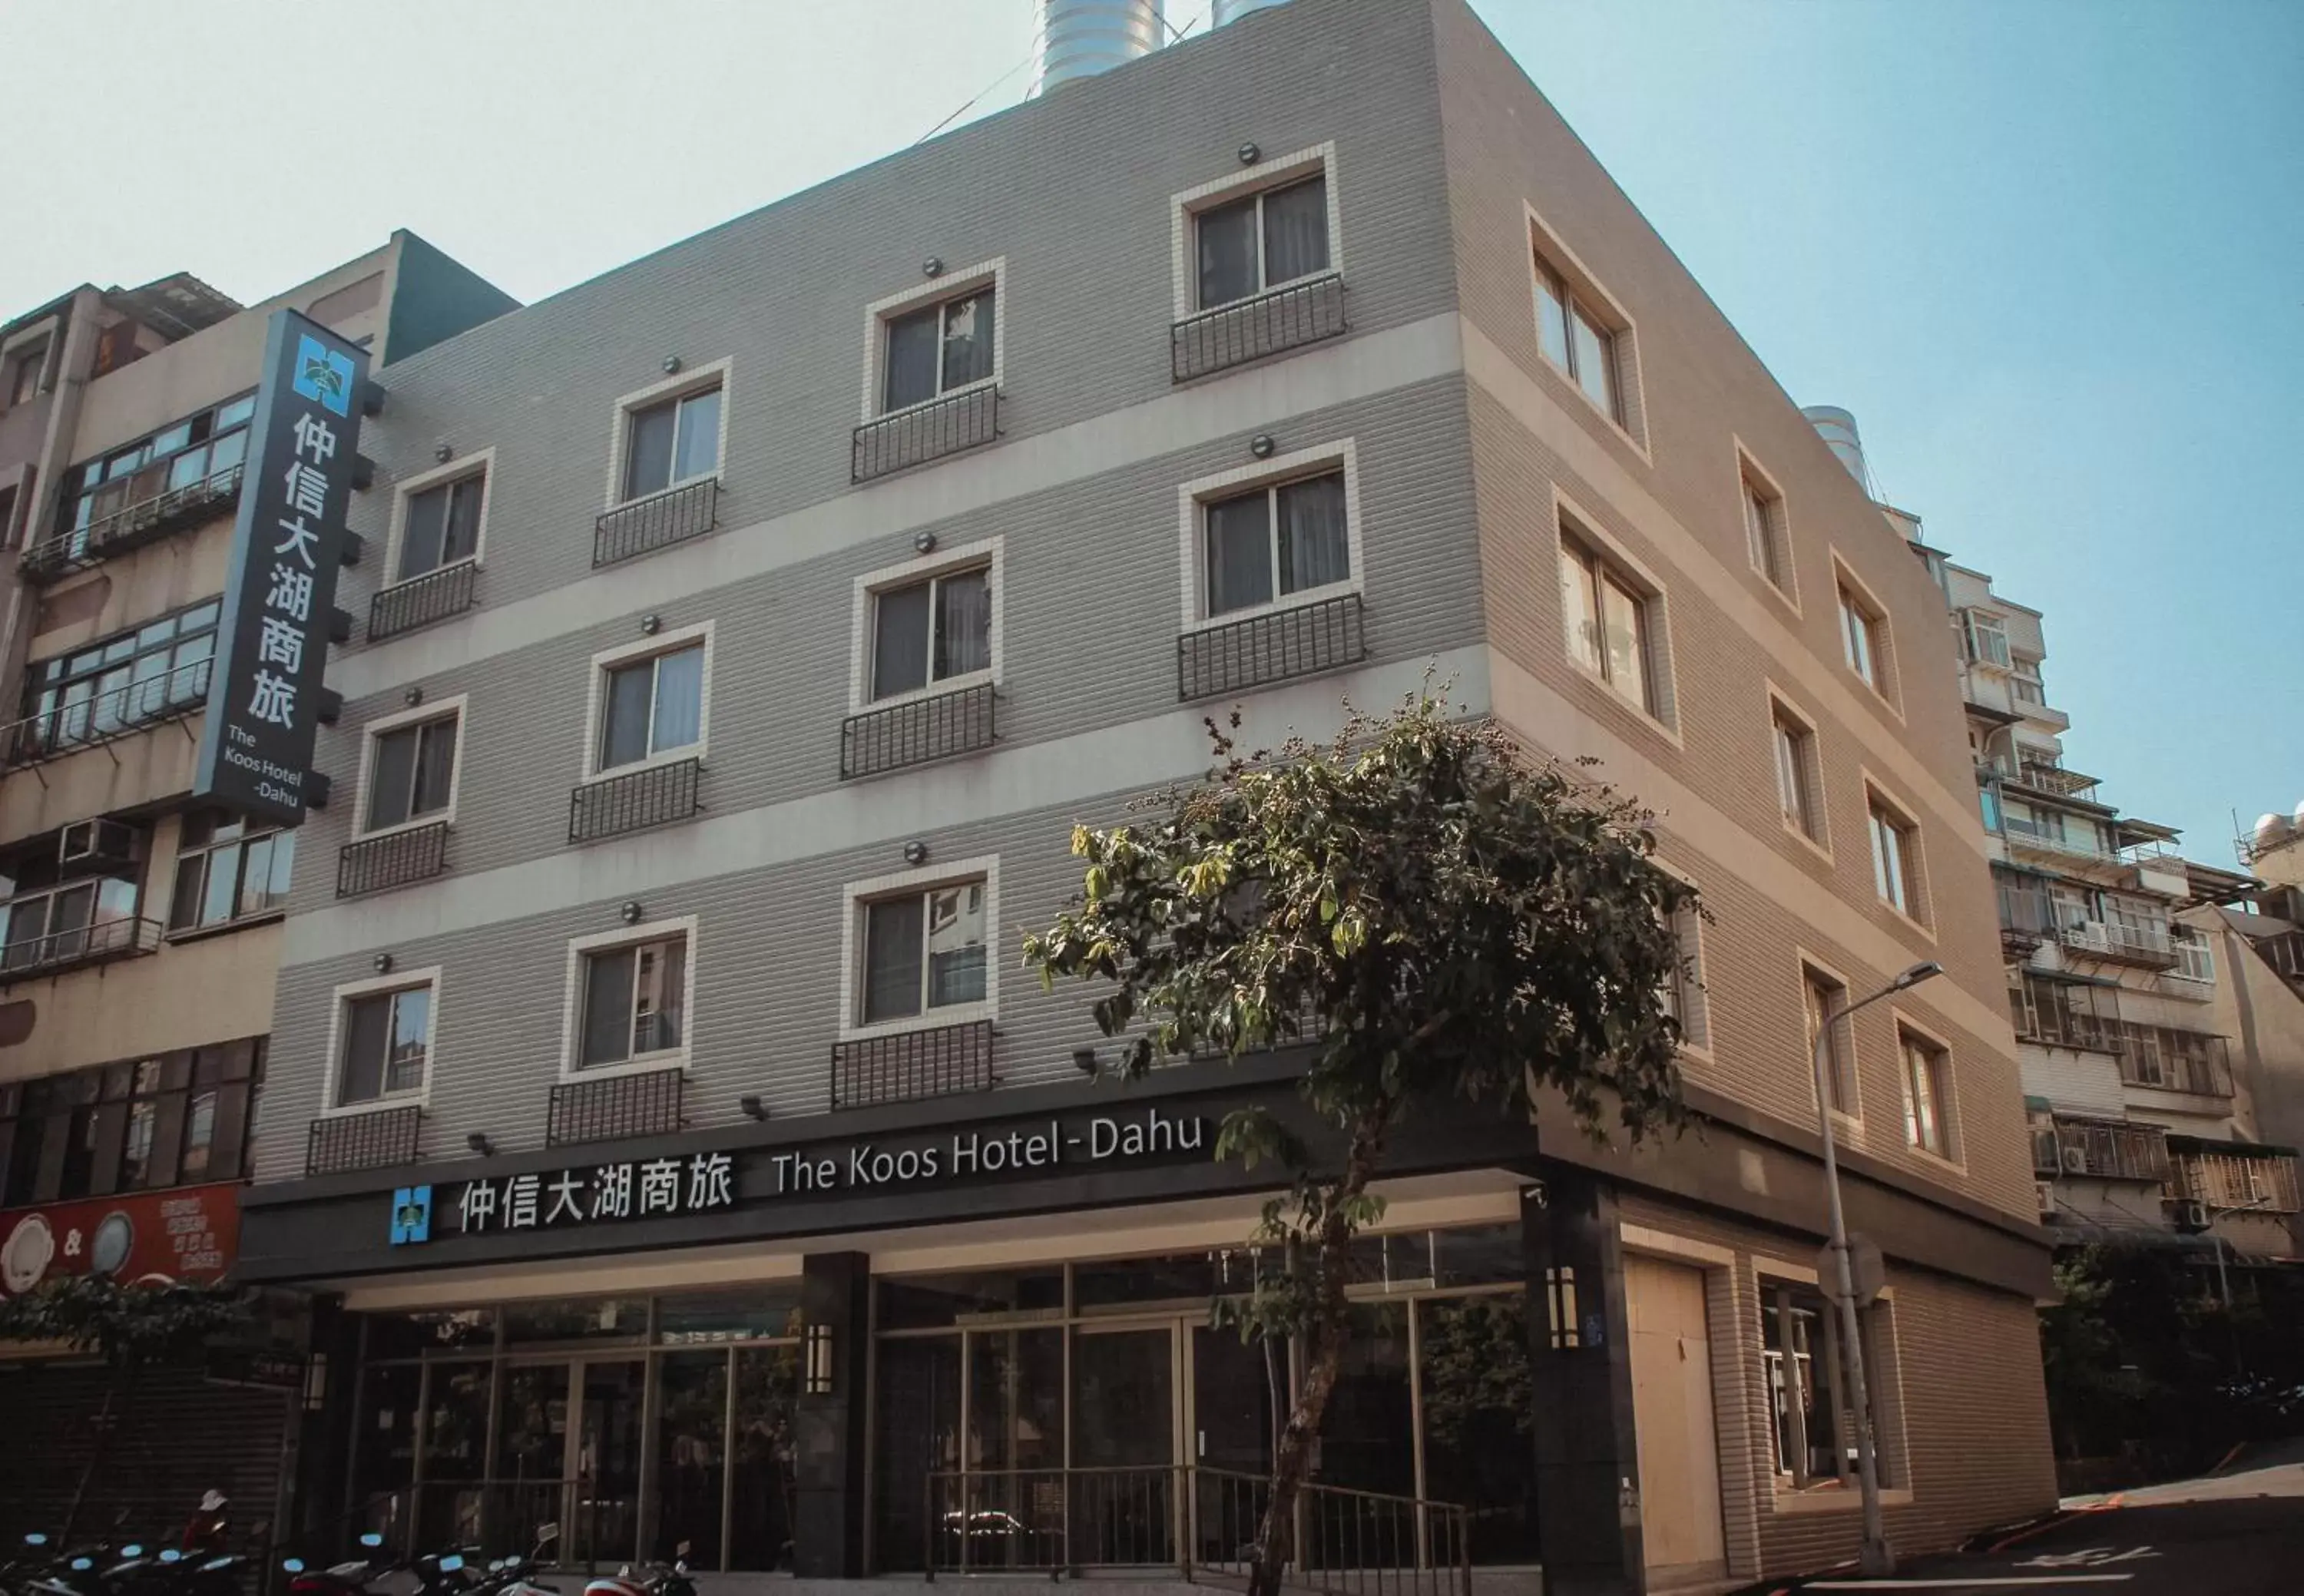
1232, 11
1838, 429
1079, 38
2271, 831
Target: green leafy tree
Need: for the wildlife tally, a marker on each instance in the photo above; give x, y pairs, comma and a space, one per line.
1440, 916
130, 1328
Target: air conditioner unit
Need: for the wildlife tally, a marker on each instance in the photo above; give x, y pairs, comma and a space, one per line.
2045, 1194
87, 844
2189, 1215
2075, 1160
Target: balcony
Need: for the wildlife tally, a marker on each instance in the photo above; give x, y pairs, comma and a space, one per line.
905, 1066
2168, 1059
395, 859
643, 526
646, 1103
132, 526
106, 716
2105, 1149
76, 947
651, 795
917, 731
2241, 1181
2108, 941
379, 1139
966, 420
1238, 655
2056, 781
2061, 1014
2028, 917
1250, 329
422, 601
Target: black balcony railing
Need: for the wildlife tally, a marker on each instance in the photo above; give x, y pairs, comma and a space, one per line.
395, 859
106, 716
2027, 917
916, 731
132, 526
1250, 329
71, 947
651, 795
421, 600
379, 1139
924, 432
615, 1106
643, 526
906, 1065
1238, 655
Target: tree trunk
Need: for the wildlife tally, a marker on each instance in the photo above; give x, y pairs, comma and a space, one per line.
101, 1444
1324, 1355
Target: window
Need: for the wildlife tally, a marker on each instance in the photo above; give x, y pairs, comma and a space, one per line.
672, 442
199, 449
64, 922
442, 526
1795, 748
928, 632
1276, 542
387, 1041
1608, 623
1859, 637
227, 870
1927, 1094
8, 515
2025, 682
1895, 870
1251, 245
1985, 636
635, 1001
1574, 337
1814, 1427
411, 773
924, 951
1683, 992
24, 373
938, 348
147, 673
651, 708
176, 1119
1822, 998
1763, 531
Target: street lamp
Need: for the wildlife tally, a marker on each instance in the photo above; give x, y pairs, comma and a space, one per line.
1876, 1559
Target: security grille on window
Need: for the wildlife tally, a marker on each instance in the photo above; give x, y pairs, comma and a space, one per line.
1608, 623
931, 632
159, 668
227, 870
634, 999
1822, 998
652, 707
1892, 876
1928, 1095
1814, 1429
1762, 512
1859, 637
924, 952
192, 450
386, 1040
1795, 747
1576, 338
1264, 242
1276, 542
938, 349
674, 442
443, 527
411, 773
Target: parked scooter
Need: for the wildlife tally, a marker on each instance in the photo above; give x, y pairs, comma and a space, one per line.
649, 1579
339, 1579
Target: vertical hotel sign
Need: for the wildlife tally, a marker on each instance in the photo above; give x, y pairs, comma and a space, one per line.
263, 701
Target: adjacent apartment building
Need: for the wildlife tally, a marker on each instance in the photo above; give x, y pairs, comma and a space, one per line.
653, 1098
142, 930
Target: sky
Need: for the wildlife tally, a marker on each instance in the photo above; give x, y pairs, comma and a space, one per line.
2046, 250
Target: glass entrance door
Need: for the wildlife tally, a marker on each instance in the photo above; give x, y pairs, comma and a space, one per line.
1235, 1387
1123, 1432
605, 1462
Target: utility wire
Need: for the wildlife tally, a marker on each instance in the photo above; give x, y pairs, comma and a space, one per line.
1039, 37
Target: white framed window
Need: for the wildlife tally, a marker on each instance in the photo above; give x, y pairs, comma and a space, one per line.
1801, 1369
669, 434
1929, 1096
918, 952
943, 336
1823, 996
1895, 856
228, 870
1255, 230
1580, 329
1683, 994
380, 1041
409, 763
1863, 632
439, 518
931, 625
650, 702
1271, 537
1792, 737
1606, 616
1984, 637
1768, 536
629, 994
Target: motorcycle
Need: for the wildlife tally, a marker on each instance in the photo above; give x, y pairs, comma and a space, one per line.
338, 1579
650, 1579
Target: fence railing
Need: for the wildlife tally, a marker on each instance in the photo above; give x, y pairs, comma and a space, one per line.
2109, 940
421, 600
916, 731
2108, 1150
924, 432
132, 526
1250, 329
644, 525
105, 717
1238, 655
652, 795
70, 948
1195, 1520
395, 859
903, 1066
379, 1139
573, 1525
646, 1103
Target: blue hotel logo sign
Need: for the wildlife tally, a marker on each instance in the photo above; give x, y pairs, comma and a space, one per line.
412, 1215
323, 375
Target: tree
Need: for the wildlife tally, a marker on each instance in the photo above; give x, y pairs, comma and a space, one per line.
1439, 916
129, 1326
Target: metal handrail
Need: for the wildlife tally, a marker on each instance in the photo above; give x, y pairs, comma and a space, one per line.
656, 521
965, 419
634, 800
131, 525
99, 942
106, 716
937, 726
1272, 322
393, 858
420, 600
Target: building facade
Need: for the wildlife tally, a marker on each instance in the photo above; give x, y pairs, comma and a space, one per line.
653, 1098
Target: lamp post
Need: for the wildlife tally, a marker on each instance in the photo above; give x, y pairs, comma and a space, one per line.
1876, 1559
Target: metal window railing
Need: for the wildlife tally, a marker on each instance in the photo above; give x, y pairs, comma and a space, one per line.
376, 863
2262, 1182
106, 716
644, 525
132, 526
2173, 1059
901, 1066
916, 731
651, 795
2116, 942
645, 1103
919, 433
377, 1139
1284, 318
99, 942
421, 600
2066, 1015
1238, 655
2109, 1151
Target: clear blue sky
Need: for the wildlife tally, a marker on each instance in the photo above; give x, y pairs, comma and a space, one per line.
2051, 252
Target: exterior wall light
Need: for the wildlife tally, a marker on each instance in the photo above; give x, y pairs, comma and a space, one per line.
480, 1143
1084, 1060
1261, 446
412, 697
383, 962
630, 912
753, 1108
818, 1380
651, 624
443, 453
671, 365
1250, 155
933, 265
923, 542
916, 851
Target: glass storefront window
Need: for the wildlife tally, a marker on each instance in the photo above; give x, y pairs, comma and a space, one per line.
916, 1434
765, 1487
1479, 1255
932, 1302
1478, 1397
704, 1317
416, 1335
1181, 1276
383, 1438
692, 1456
600, 1319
